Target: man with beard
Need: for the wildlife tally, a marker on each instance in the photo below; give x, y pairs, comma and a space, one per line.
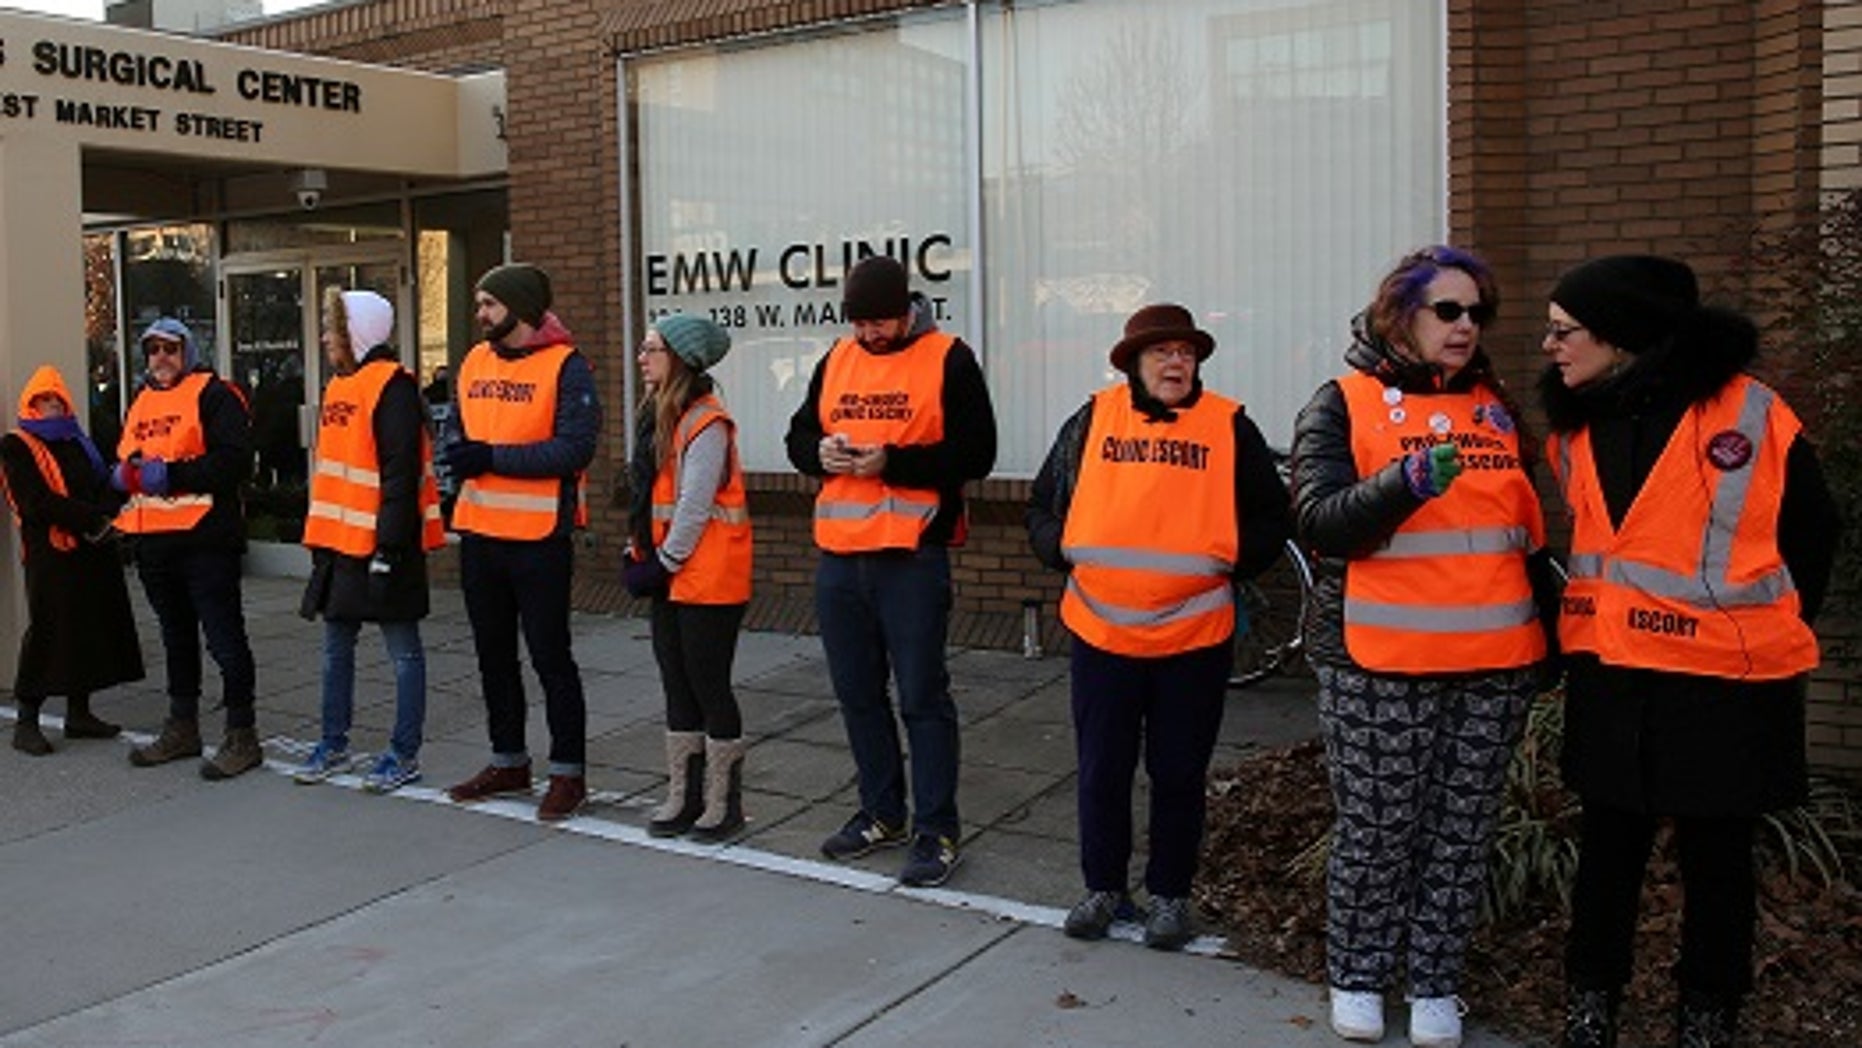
521, 437
896, 420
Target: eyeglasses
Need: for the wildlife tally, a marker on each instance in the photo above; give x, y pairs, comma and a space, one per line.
1448, 311
1557, 332
647, 348
161, 345
1161, 352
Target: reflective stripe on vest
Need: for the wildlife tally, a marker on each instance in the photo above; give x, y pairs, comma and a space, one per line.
1692, 581
165, 424
1448, 591
61, 540
718, 570
512, 401
1171, 486
870, 398
345, 489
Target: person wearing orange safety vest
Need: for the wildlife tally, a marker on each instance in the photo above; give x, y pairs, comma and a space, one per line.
374, 513
80, 633
896, 420
1156, 498
1432, 604
524, 429
1702, 540
185, 449
690, 552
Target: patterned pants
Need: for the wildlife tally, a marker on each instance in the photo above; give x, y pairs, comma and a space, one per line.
1417, 767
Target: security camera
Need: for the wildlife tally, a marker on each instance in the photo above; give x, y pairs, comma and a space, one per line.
309, 186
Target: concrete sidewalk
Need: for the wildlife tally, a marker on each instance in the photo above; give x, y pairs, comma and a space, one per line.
160, 909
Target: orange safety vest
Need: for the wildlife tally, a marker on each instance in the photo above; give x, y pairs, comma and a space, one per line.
1448, 591
718, 571
1151, 531
62, 540
512, 401
345, 489
165, 424
1693, 581
874, 398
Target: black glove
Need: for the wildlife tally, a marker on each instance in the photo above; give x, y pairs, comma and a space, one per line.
381, 571
469, 458
645, 578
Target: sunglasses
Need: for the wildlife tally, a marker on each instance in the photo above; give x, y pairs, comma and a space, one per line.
1448, 311
163, 346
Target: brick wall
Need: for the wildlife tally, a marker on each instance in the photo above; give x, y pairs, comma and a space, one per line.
1576, 128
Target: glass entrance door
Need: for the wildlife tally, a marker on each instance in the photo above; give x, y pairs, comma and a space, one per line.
274, 317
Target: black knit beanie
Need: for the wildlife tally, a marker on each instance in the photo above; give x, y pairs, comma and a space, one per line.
523, 288
876, 290
1629, 301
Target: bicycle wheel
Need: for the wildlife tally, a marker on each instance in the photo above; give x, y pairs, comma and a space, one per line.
1274, 604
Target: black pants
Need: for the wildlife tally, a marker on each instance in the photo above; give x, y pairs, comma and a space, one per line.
195, 593
695, 645
1718, 912
1170, 710
511, 584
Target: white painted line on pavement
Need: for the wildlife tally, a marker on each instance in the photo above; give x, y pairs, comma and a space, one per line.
735, 854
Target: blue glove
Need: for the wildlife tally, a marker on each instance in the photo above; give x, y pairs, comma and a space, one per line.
1430, 471
645, 578
126, 478
468, 458
155, 476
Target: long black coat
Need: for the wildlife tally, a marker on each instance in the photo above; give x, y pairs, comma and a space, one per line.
81, 634
340, 586
1678, 743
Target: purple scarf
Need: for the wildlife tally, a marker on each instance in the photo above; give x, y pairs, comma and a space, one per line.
64, 428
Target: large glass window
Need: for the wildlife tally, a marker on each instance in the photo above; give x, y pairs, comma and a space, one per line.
1261, 162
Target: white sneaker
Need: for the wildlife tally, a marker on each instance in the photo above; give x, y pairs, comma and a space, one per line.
1358, 1015
1435, 1022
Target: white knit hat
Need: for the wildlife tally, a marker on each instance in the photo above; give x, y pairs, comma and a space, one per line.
371, 321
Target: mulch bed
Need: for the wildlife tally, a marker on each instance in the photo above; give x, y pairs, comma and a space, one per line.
1269, 809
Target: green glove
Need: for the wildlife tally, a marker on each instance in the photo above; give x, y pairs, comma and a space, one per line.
1444, 466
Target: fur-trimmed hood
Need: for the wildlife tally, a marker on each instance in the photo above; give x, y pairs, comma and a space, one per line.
1708, 350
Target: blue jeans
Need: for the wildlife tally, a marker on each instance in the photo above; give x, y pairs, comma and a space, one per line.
196, 593
886, 616
339, 683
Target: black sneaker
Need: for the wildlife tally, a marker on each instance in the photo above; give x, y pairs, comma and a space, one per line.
1092, 916
1170, 925
930, 862
862, 835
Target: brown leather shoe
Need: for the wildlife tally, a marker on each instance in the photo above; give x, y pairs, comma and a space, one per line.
563, 798
490, 782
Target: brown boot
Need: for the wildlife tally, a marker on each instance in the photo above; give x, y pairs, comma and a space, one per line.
27, 738
563, 799
685, 785
491, 781
238, 754
81, 723
724, 792
179, 738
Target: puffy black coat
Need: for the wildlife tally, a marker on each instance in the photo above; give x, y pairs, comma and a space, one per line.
1342, 516
1677, 743
342, 587
80, 635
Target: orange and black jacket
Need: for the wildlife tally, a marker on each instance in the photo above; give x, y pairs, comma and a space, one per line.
226, 428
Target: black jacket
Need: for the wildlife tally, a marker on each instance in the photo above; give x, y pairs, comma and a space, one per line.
81, 634
227, 426
1260, 497
342, 587
1676, 743
1342, 516
967, 451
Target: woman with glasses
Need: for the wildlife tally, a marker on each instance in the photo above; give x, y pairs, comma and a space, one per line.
690, 554
1156, 496
1702, 541
1430, 581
